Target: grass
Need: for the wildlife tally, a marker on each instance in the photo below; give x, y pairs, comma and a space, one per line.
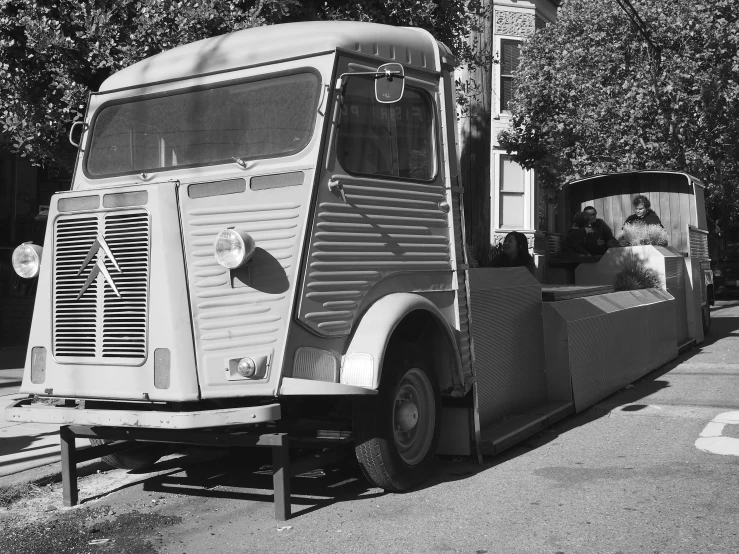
10, 494
636, 235
636, 275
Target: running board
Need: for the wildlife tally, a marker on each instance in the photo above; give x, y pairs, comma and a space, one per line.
511, 430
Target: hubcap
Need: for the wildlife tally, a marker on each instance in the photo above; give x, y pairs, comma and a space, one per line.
414, 416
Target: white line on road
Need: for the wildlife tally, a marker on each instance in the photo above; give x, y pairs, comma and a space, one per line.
711, 439
661, 410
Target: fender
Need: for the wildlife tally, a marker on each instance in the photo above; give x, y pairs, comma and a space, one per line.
362, 363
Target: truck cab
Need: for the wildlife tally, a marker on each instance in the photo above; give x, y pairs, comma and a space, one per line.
262, 224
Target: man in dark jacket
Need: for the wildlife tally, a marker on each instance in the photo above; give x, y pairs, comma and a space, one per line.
602, 235
644, 215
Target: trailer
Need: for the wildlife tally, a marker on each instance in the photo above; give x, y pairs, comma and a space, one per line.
679, 200
264, 246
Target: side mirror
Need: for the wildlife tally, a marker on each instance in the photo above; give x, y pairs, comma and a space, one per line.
71, 133
390, 83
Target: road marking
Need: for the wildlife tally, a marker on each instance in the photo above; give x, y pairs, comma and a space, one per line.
710, 439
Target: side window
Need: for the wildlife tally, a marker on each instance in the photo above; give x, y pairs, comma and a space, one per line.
510, 56
393, 140
512, 194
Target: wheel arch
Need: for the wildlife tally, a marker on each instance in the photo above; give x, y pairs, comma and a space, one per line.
402, 317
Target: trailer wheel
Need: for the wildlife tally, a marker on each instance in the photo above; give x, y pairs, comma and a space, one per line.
134, 459
397, 431
706, 312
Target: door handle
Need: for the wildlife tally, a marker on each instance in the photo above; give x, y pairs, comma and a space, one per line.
334, 185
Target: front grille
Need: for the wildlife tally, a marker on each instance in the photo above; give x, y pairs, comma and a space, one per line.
99, 321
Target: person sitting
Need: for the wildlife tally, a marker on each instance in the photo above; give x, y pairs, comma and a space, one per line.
644, 214
514, 253
577, 241
602, 236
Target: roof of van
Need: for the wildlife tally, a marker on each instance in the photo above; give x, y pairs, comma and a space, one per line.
669, 171
411, 46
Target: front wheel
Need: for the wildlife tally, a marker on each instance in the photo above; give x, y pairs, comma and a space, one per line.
397, 431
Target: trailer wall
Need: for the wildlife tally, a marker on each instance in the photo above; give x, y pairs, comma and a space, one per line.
608, 341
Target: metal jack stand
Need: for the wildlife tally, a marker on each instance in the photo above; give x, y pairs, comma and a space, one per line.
125, 439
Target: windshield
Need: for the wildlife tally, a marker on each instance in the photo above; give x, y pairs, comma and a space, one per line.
256, 119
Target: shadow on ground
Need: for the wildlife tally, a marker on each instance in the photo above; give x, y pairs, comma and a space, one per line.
246, 473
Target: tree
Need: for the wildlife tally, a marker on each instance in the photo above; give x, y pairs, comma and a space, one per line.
53, 53
593, 97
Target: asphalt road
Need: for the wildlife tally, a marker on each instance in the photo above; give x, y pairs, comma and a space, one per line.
625, 476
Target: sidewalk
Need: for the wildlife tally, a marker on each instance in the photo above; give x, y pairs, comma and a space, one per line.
25, 446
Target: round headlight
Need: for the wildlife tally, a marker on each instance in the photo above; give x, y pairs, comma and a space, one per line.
717, 272
233, 248
27, 260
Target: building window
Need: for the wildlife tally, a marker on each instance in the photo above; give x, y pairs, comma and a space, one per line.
510, 56
512, 194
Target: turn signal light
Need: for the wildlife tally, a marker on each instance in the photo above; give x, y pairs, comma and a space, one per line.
247, 368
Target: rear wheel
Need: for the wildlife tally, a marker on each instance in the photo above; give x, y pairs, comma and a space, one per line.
397, 431
706, 318
135, 459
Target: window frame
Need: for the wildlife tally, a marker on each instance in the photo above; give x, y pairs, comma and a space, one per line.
503, 105
529, 195
434, 135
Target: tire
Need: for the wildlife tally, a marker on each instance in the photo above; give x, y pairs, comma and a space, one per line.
706, 313
136, 459
397, 431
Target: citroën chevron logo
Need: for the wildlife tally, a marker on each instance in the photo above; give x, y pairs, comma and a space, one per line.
99, 247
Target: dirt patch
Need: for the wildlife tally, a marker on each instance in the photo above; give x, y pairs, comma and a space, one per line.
84, 530
13, 493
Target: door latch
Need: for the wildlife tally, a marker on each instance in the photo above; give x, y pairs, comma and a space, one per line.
334, 184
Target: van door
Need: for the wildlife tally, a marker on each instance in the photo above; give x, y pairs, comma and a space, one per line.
381, 216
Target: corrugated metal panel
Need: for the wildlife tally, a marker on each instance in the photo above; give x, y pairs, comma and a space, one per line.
507, 330
594, 347
662, 340
698, 244
75, 319
384, 227
600, 364
105, 320
675, 284
465, 347
124, 316
252, 311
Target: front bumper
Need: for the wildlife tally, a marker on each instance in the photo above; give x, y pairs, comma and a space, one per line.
24, 410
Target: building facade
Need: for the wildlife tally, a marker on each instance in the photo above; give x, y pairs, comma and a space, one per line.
515, 202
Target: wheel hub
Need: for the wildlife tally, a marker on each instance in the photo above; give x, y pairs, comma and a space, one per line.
414, 416
406, 415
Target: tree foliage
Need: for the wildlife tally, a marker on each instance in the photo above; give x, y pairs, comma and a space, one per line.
592, 96
54, 52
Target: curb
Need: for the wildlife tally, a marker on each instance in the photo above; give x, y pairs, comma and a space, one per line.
49, 474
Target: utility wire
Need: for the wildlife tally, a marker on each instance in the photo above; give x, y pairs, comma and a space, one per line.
638, 22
